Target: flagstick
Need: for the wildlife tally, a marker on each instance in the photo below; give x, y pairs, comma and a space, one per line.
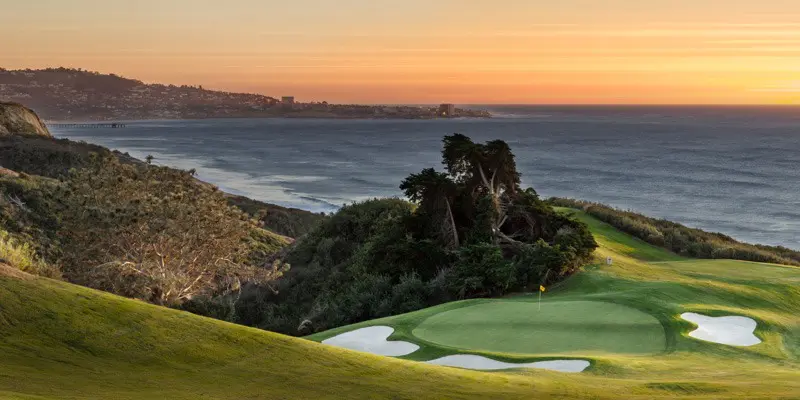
540, 299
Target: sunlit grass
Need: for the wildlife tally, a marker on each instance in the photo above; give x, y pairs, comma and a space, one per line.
663, 285
60, 341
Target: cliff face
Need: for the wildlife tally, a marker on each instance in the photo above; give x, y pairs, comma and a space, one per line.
16, 119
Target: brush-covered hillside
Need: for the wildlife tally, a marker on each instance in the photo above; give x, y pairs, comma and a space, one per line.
102, 219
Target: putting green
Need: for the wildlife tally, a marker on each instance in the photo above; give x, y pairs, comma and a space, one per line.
560, 327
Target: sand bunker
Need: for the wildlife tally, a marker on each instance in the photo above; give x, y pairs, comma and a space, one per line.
372, 340
469, 361
734, 331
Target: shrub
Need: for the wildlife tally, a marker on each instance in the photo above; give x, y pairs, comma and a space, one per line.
481, 271
22, 256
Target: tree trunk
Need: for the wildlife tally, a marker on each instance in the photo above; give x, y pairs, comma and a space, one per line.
452, 223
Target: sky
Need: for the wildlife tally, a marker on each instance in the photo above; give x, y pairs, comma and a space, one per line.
427, 51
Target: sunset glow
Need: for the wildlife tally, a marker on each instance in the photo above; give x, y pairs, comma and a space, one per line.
508, 51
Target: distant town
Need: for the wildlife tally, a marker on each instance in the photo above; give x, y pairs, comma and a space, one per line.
65, 94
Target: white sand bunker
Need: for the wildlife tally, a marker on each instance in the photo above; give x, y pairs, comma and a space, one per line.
733, 331
469, 361
372, 340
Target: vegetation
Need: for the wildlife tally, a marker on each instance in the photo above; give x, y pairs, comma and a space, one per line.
47, 157
20, 255
54, 158
614, 315
470, 232
93, 345
682, 240
153, 233
558, 327
290, 222
62, 341
141, 231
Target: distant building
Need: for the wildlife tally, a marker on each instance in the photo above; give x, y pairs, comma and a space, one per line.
287, 102
447, 110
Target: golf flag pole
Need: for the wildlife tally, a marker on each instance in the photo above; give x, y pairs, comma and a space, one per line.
541, 289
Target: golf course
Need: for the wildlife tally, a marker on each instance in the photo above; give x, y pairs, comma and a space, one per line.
625, 319
61, 341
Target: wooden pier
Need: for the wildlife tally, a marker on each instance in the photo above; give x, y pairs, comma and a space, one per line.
113, 125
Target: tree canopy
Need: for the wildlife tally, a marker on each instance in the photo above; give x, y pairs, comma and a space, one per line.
469, 231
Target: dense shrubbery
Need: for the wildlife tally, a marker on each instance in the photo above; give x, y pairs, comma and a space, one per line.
46, 157
153, 233
54, 158
22, 256
470, 232
291, 222
681, 239
137, 230
28, 213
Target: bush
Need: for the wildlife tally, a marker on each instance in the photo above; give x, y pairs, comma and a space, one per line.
21, 256
481, 271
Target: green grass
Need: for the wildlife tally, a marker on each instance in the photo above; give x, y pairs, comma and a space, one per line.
60, 341
558, 327
647, 280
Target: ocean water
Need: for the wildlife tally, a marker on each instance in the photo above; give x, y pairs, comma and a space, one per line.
734, 170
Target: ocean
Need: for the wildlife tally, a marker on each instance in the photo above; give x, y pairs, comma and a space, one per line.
734, 170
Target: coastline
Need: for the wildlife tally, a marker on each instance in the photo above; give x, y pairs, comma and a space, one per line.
297, 117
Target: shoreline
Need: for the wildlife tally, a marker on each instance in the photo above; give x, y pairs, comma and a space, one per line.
336, 118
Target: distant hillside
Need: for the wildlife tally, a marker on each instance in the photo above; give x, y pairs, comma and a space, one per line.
74, 94
65, 94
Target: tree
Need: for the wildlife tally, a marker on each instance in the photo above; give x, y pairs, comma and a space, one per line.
434, 192
484, 169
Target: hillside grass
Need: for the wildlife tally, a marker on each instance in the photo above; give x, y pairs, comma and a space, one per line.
61, 341
657, 282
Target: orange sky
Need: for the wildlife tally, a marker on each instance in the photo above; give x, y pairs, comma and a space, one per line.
420, 51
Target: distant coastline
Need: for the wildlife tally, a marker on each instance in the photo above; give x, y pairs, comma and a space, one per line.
76, 95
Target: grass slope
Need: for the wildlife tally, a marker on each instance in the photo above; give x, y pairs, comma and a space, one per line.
60, 341
652, 281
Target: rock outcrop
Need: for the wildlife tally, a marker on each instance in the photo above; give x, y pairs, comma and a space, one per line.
18, 120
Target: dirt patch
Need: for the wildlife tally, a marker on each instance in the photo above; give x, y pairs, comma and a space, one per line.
11, 272
8, 172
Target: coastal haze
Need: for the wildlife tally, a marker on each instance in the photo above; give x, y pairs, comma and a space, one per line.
727, 169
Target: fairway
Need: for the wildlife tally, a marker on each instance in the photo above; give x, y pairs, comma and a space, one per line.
559, 327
